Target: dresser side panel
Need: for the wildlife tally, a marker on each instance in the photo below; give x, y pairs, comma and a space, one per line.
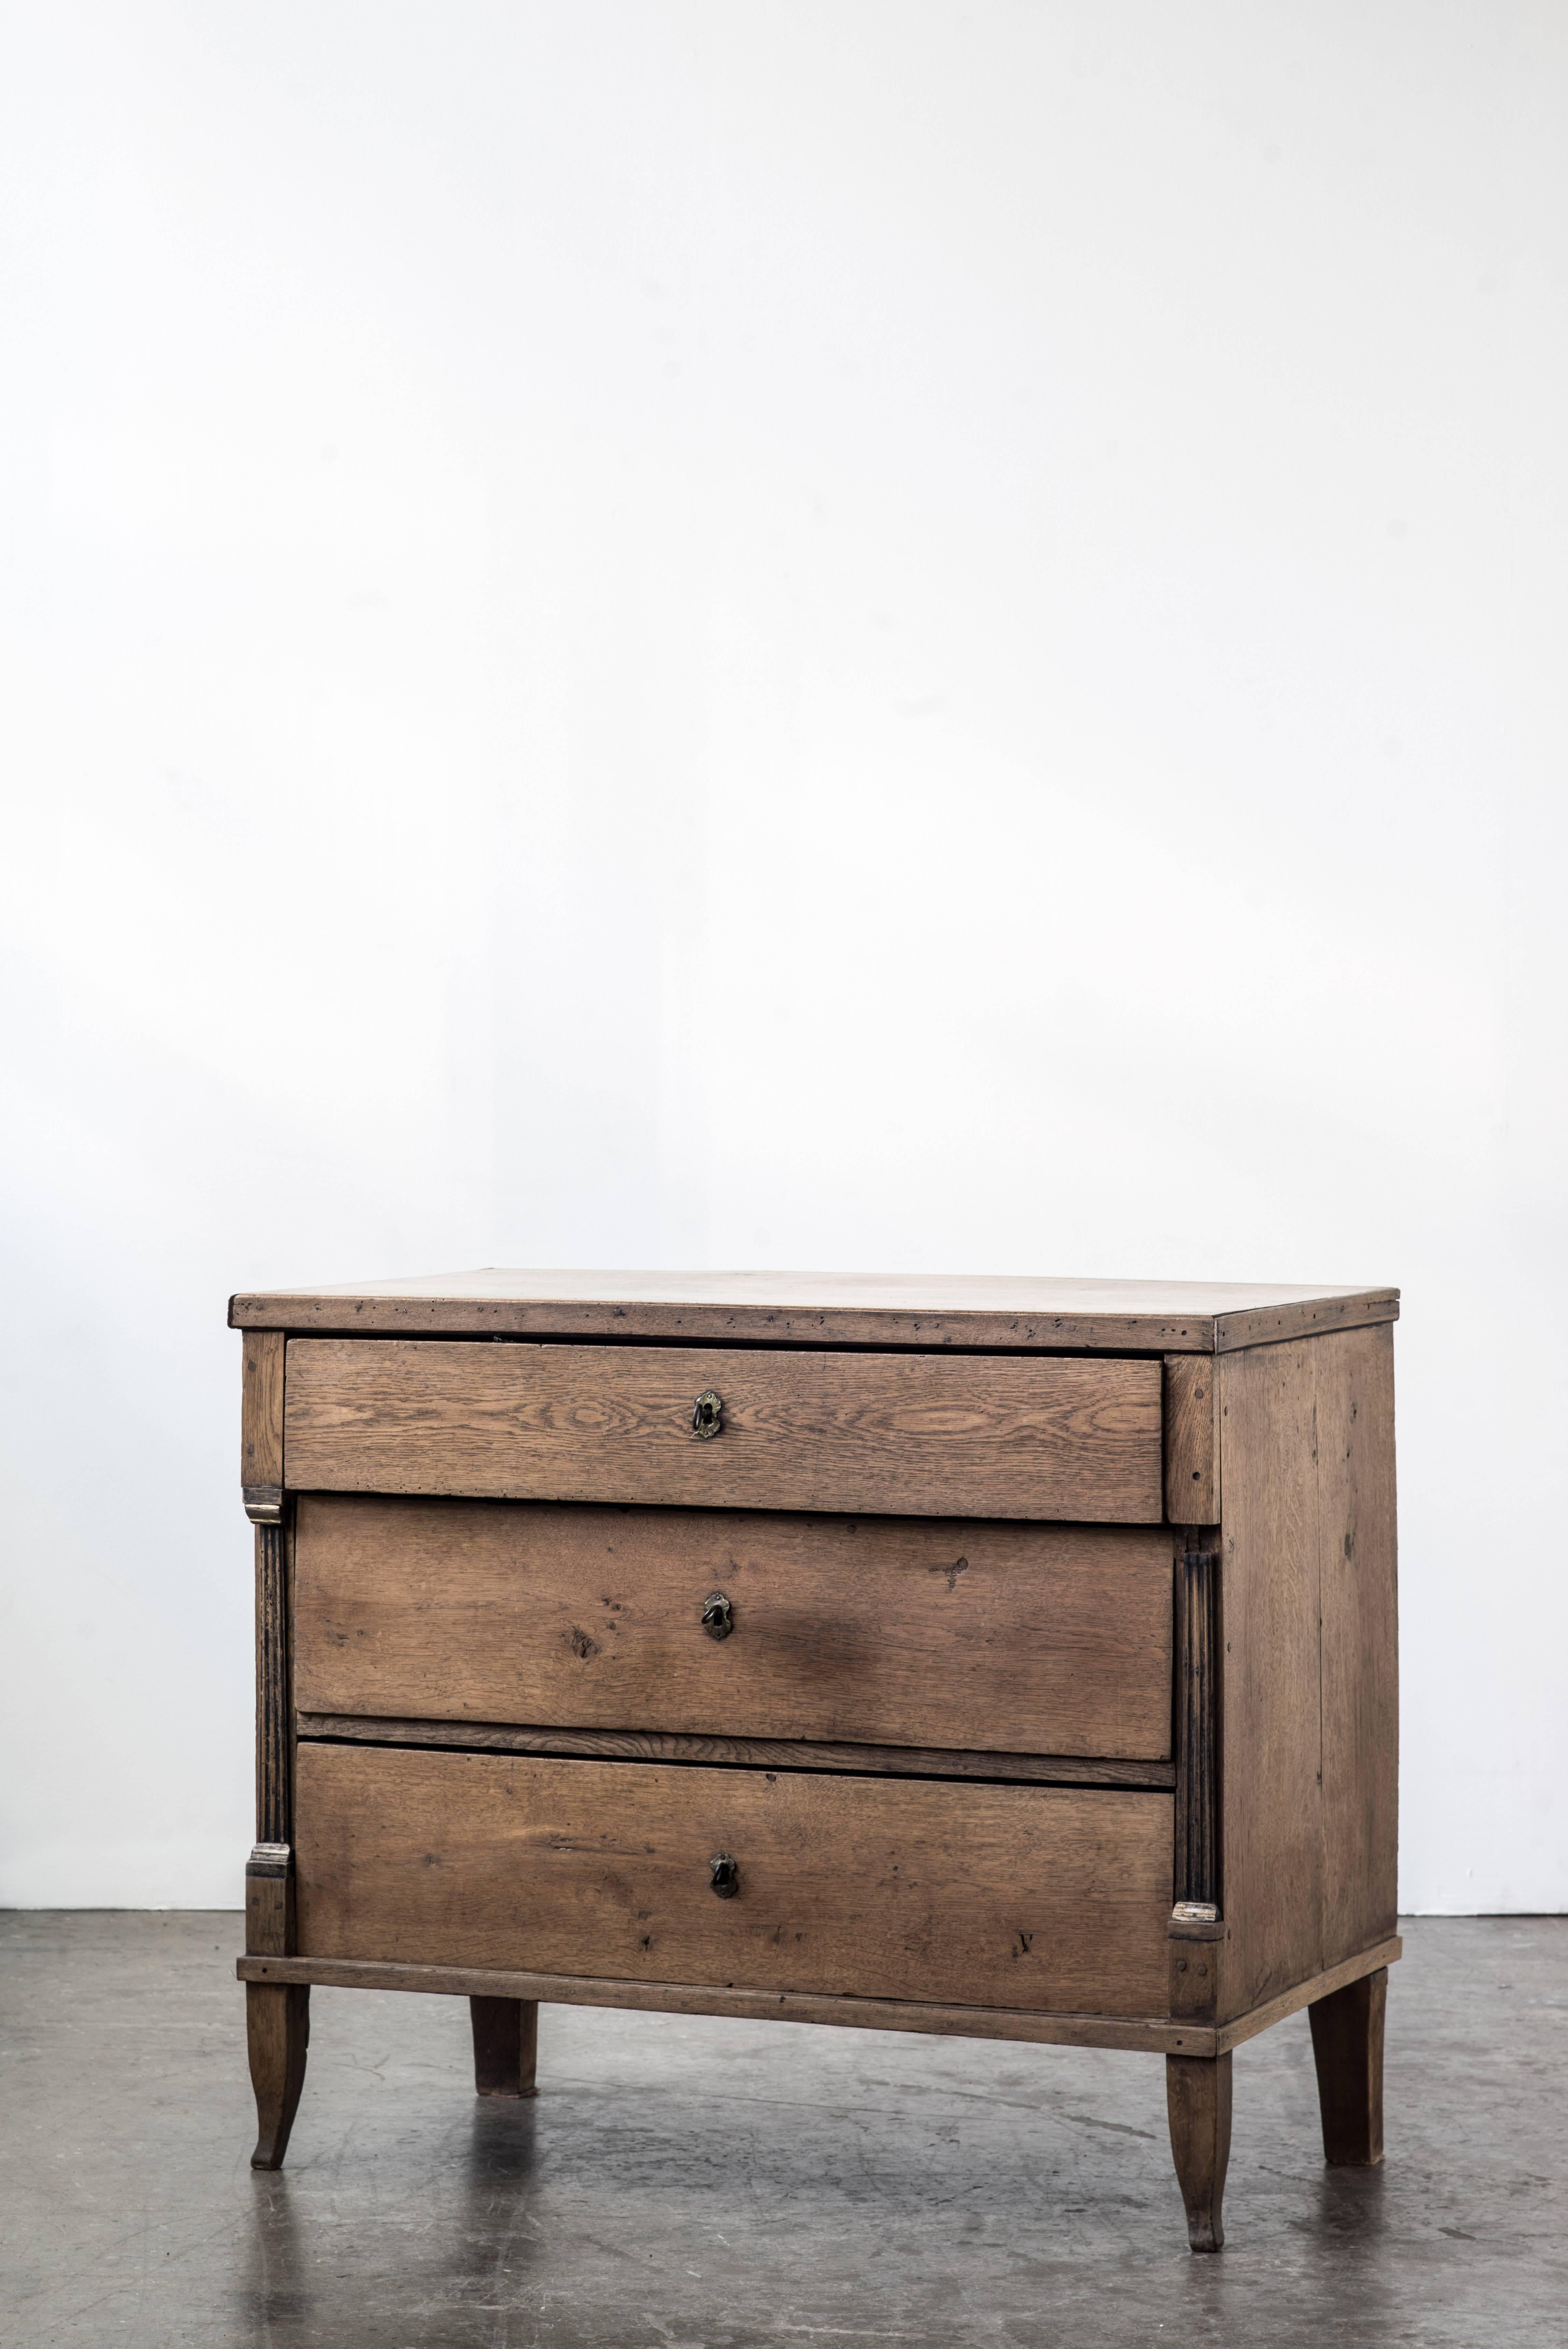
1270, 1884
1357, 1571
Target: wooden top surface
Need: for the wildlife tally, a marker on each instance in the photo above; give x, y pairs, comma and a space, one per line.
827, 1308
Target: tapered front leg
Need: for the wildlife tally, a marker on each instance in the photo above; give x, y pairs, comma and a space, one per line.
505, 2045
277, 2028
1198, 2098
277, 2015
1347, 2045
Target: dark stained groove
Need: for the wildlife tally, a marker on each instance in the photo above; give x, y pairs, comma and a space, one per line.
274, 1776
741, 1752
1196, 1812
738, 1343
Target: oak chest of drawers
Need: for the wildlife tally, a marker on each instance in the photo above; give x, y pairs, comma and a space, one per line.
1009, 1659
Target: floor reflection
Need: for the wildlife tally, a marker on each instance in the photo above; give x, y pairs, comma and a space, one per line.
747, 2186
1349, 2202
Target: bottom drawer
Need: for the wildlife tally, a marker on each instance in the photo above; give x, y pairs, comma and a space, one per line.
1055, 1898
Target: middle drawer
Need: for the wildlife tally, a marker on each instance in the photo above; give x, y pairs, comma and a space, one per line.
988, 1636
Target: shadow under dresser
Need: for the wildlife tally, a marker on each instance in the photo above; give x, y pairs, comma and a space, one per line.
1010, 1659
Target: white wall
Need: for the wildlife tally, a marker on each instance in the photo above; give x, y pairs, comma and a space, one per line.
835, 633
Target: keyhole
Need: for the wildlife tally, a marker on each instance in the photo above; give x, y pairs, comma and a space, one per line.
708, 1413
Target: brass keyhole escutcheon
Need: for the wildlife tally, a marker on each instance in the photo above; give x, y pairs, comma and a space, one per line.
724, 1875
718, 1617
708, 1413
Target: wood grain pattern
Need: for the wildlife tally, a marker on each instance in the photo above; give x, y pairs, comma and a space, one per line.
1196, 1958
277, 2033
1156, 2034
1309, 1704
1277, 1325
1191, 1440
743, 1752
1358, 1605
1047, 1898
1272, 1838
820, 1308
1347, 2030
1150, 2035
261, 1408
907, 1434
1198, 2100
269, 1901
885, 1631
1242, 2027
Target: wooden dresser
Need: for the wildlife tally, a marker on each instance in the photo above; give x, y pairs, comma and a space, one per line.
1009, 1659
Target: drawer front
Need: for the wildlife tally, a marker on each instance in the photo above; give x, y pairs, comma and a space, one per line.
908, 1434
1049, 1899
987, 1636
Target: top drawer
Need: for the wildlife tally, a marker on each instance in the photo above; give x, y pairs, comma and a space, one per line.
897, 1435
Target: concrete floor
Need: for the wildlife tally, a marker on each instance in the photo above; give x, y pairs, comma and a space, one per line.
695, 2185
